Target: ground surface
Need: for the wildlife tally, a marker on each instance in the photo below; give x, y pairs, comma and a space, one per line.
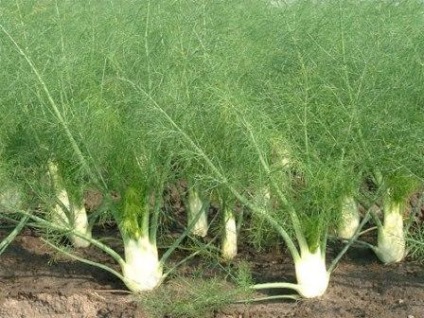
37, 284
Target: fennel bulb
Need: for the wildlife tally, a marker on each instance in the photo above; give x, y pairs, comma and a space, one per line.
197, 213
311, 274
10, 198
142, 270
391, 238
229, 240
349, 219
68, 215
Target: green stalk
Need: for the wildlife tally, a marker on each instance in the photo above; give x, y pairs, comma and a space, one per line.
84, 260
303, 245
18, 228
42, 223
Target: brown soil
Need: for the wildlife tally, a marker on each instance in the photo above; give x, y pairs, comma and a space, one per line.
37, 283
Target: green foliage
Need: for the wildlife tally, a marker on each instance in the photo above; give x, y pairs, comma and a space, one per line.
402, 187
298, 99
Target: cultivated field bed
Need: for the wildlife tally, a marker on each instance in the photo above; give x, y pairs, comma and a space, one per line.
38, 283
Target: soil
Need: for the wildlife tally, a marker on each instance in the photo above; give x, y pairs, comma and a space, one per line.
36, 282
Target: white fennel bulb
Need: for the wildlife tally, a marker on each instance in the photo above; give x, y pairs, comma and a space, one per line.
142, 270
